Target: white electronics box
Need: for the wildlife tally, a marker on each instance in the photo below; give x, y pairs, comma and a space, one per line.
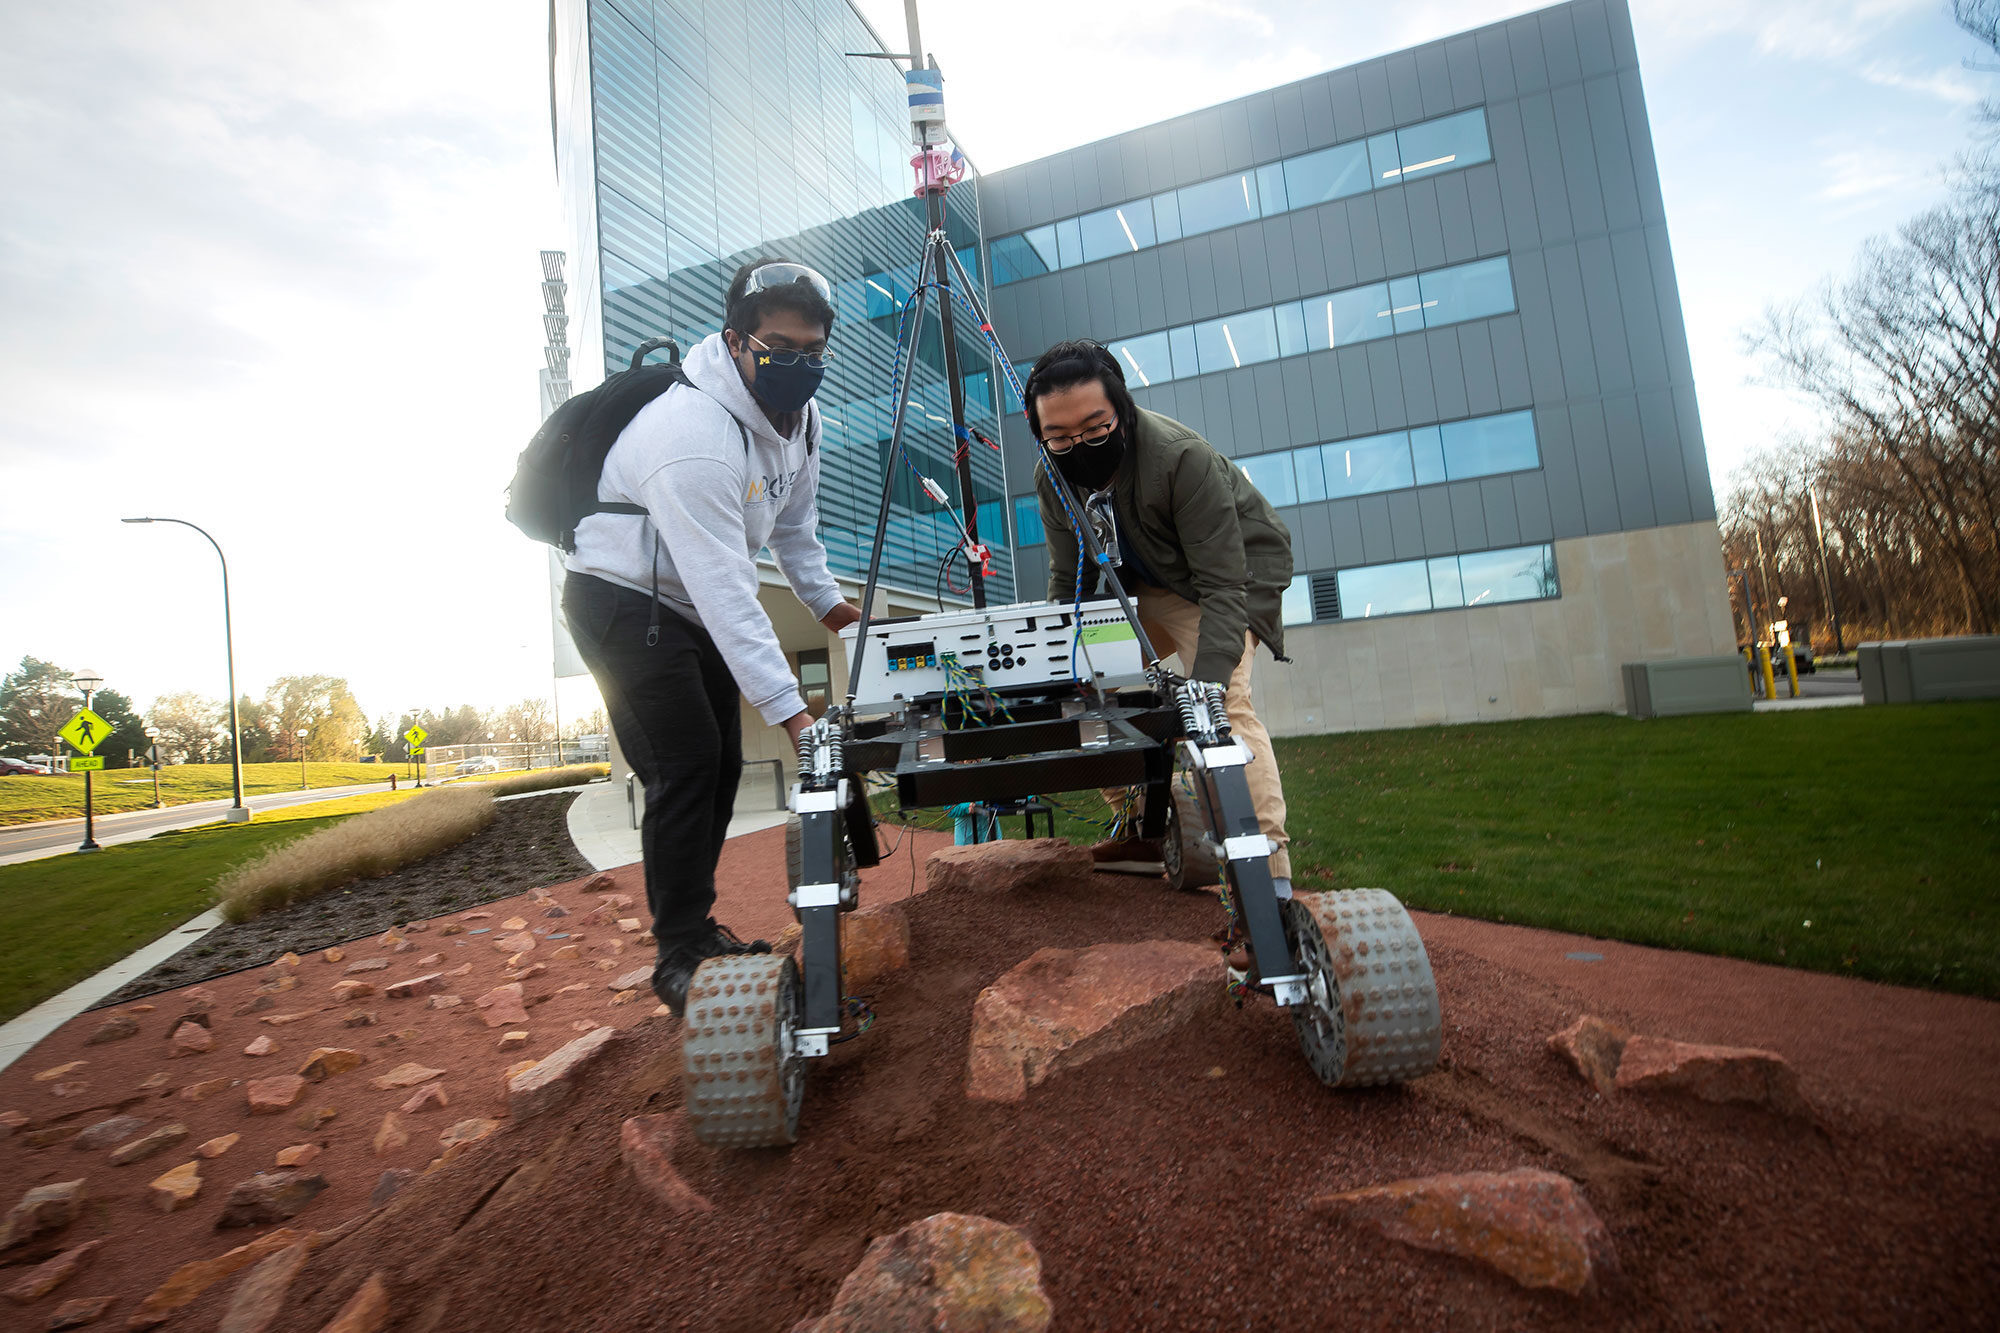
1022, 643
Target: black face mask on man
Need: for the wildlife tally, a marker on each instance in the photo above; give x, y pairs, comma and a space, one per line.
785, 387
1094, 463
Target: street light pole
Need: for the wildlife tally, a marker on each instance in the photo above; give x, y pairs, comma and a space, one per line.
303, 733
238, 813
153, 762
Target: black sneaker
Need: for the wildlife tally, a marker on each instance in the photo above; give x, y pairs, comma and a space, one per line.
719, 941
678, 962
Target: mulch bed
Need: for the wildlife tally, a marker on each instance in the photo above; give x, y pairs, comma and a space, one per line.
526, 846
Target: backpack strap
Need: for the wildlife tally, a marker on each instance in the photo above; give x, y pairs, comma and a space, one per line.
618, 507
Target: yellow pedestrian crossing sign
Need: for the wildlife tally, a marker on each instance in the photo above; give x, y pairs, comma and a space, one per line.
86, 731
86, 763
415, 736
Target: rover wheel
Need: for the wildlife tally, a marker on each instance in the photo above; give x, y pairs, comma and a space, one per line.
1186, 847
1371, 1011
741, 1066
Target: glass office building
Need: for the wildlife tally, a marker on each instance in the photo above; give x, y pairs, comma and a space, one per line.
692, 136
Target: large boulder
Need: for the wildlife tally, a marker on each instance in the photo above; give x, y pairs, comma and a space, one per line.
1728, 1074
554, 1078
1065, 1007
255, 1303
42, 1211
1593, 1048
946, 1273
193, 1278
1529, 1224
874, 942
1001, 867
273, 1196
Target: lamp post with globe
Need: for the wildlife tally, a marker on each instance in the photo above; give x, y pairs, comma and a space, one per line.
90, 683
153, 762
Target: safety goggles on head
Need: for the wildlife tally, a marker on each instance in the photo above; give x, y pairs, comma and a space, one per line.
1062, 444
790, 356
766, 276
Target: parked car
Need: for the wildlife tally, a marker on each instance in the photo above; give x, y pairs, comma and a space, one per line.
483, 763
21, 768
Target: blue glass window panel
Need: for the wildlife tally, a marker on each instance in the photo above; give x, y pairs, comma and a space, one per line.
1167, 216
1352, 316
1385, 167
1291, 329
1468, 291
1272, 474
1271, 189
1523, 574
1146, 361
1406, 305
1043, 241
1365, 466
1116, 231
1446, 590
1427, 452
979, 391
1028, 521
1069, 242
1238, 340
1224, 202
1015, 259
1443, 145
1384, 590
992, 522
1296, 606
1311, 473
1485, 446
1186, 363
881, 294
1331, 173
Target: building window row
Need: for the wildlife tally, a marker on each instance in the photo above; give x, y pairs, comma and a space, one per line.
1448, 143
1355, 314
1397, 460
1442, 583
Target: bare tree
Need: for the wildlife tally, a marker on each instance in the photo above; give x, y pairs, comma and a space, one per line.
194, 729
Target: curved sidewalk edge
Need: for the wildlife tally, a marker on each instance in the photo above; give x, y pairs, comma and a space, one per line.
600, 824
18, 1036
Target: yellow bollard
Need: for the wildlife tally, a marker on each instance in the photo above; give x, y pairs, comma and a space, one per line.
1764, 664
1792, 669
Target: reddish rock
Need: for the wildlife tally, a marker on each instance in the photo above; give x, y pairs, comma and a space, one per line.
502, 1007
1531, 1225
107, 1133
217, 1146
360, 1018
1066, 1007
188, 1039
192, 1279
614, 900
159, 1080
366, 1311
605, 948
431, 1094
513, 1041
413, 987
269, 1197
199, 998
631, 925
256, 1004
558, 910
256, 1301
311, 1121
461, 970
638, 976
326, 1061
175, 1189
514, 923
625, 997
284, 964
646, 1144
430, 960
446, 1001
789, 939
208, 1087
299, 1154
553, 1078
334, 955
197, 1016
1728, 1074
522, 942
269, 1096
13, 1120
72, 1089
874, 942
50, 1136
1008, 866
261, 1046
368, 965
568, 953
388, 1183
468, 1131
1593, 1048
137, 1150
115, 1028
389, 1135
346, 991
278, 986
42, 1211
601, 882
77, 1313
45, 1278
280, 1020
406, 1075
950, 1271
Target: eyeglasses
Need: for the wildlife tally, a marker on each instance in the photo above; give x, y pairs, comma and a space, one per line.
789, 356
1062, 444
766, 276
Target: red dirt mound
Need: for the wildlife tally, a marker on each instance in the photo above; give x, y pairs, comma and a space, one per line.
1168, 1186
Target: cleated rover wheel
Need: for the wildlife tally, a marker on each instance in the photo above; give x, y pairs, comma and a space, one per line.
1371, 1012
1189, 857
740, 1062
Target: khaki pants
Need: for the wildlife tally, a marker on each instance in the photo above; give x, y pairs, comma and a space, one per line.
1174, 625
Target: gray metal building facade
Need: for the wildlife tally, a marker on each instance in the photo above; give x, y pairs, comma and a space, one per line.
1588, 348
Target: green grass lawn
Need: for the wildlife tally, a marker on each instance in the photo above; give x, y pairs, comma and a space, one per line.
73, 915
1723, 834
23, 800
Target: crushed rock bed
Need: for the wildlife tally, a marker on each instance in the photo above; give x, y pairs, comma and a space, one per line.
1169, 1186
526, 846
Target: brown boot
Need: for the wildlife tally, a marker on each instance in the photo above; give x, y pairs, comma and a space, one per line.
1129, 856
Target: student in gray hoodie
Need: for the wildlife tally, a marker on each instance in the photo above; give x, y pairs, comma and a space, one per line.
664, 606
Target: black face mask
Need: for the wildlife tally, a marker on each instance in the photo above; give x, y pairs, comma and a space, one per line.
1092, 466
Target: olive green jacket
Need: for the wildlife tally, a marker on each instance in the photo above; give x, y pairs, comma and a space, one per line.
1196, 522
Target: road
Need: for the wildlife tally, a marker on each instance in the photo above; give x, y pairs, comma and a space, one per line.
33, 841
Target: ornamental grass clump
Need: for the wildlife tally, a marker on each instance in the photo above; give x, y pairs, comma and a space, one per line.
361, 847
544, 779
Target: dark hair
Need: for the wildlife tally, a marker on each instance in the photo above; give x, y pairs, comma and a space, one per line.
1077, 361
745, 313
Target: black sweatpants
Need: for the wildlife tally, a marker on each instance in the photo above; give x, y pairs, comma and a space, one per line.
673, 706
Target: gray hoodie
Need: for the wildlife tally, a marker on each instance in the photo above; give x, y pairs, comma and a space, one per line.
712, 506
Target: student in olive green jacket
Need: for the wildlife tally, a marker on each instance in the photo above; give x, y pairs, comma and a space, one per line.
1204, 556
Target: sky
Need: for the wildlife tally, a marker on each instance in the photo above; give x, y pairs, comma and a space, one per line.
272, 269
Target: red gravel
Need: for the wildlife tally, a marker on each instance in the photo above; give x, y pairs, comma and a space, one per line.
1158, 1196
